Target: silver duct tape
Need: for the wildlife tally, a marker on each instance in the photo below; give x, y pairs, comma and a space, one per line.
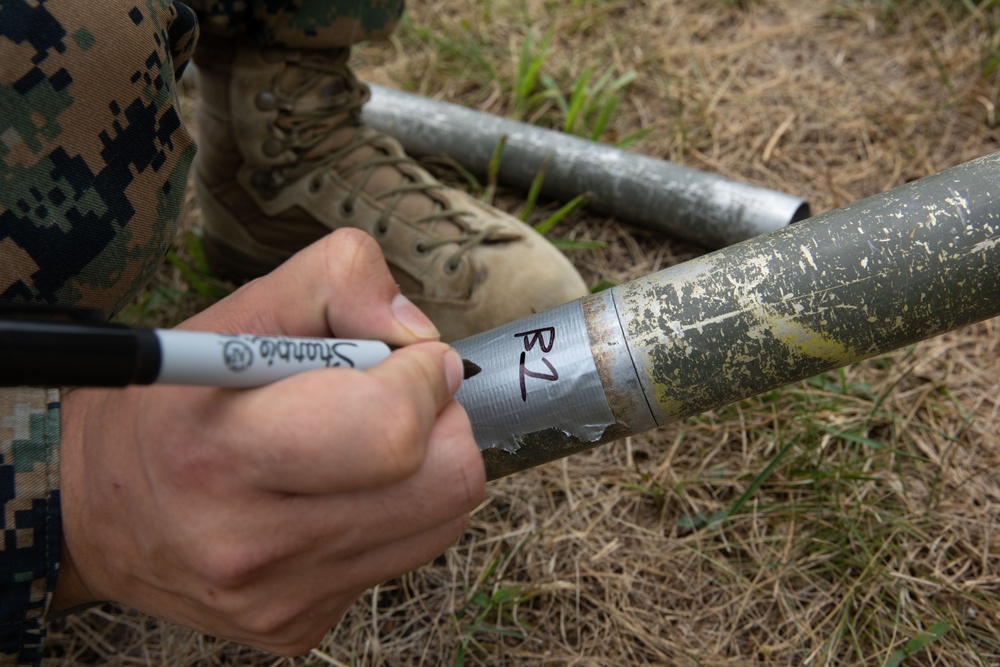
538, 374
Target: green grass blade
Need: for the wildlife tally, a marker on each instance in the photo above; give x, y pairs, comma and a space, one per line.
624, 80
633, 138
545, 226
535, 190
604, 118
529, 67
759, 479
602, 285
918, 643
493, 170
554, 92
577, 98
576, 244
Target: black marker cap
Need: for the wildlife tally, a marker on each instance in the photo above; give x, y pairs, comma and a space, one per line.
54, 354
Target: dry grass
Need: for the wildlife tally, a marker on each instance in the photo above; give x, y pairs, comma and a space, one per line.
879, 496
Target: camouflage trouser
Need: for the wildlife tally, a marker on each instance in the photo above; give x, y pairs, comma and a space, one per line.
94, 158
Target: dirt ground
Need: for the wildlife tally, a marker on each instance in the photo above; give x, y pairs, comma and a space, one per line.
869, 538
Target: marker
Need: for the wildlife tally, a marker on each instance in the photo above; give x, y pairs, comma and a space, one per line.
53, 354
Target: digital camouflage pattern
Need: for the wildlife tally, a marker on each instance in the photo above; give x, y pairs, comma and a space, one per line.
93, 154
94, 159
93, 164
29, 481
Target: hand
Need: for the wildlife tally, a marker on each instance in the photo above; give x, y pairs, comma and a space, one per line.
260, 515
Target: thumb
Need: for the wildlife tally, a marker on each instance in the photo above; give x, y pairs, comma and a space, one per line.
406, 393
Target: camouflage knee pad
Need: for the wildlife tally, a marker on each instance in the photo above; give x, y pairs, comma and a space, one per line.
94, 155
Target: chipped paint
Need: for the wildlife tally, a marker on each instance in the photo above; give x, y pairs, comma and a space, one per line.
809, 257
984, 246
798, 338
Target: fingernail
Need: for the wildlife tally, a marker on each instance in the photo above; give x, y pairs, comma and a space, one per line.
454, 369
410, 317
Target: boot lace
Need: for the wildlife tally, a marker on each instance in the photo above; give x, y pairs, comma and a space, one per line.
313, 126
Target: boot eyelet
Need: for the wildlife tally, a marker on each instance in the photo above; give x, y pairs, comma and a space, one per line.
381, 229
273, 147
420, 249
347, 210
315, 185
266, 101
451, 267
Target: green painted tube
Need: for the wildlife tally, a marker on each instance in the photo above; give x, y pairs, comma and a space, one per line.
862, 280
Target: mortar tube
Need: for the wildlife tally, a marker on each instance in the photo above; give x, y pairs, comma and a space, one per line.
859, 281
704, 208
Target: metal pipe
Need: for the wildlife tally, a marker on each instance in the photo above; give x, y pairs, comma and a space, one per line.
700, 207
859, 281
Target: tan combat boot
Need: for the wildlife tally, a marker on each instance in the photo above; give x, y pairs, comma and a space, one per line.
283, 159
